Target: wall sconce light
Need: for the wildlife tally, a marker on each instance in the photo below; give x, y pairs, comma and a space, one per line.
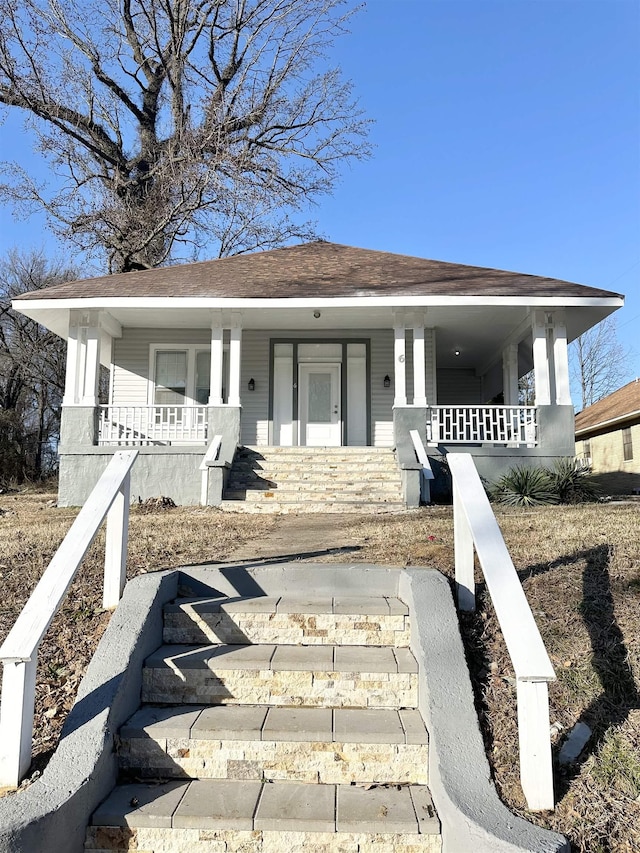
317, 315
386, 381
251, 385
456, 352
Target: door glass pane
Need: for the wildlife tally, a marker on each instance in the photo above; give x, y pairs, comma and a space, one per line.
319, 398
171, 377
203, 374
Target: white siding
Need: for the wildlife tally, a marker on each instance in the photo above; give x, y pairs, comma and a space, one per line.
254, 421
131, 360
381, 397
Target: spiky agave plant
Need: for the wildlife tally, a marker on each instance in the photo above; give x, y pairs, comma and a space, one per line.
573, 482
524, 487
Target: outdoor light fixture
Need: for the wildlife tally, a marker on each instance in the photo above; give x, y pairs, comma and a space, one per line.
386, 381
251, 385
317, 315
456, 352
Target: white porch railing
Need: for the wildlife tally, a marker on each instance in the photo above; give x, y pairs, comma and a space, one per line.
19, 652
475, 525
145, 425
513, 425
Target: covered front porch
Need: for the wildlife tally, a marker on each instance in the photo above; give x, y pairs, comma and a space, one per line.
172, 390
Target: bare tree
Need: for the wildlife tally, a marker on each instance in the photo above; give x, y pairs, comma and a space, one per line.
32, 369
173, 122
599, 362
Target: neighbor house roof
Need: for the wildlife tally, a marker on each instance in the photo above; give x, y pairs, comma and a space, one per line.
318, 269
622, 405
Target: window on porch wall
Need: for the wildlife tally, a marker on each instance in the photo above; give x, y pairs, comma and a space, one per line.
170, 378
183, 376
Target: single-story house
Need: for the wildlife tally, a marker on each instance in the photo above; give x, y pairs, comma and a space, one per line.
608, 439
312, 345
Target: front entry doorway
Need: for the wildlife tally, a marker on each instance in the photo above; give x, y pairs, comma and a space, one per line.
319, 392
320, 418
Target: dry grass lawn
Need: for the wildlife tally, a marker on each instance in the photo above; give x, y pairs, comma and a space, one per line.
580, 567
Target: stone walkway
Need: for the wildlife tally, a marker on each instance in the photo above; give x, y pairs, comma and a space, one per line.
302, 537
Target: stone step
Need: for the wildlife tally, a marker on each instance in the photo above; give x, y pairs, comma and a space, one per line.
345, 620
299, 480
315, 676
323, 745
306, 472
315, 506
222, 814
281, 495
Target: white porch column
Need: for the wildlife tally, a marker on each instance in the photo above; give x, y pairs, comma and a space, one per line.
399, 366
92, 337
83, 359
541, 358
510, 374
561, 360
217, 344
235, 344
419, 377
71, 384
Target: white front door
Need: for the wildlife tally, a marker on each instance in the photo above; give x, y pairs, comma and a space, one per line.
319, 404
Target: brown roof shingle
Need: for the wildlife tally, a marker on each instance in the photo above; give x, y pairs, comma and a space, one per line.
318, 269
625, 401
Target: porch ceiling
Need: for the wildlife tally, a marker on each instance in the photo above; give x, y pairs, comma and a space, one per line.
477, 331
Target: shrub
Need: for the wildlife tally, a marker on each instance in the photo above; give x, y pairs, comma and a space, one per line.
572, 482
567, 482
524, 487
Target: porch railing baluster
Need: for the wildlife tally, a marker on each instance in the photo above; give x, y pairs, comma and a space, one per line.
512, 425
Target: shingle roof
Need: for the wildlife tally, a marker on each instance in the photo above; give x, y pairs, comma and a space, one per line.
623, 402
314, 270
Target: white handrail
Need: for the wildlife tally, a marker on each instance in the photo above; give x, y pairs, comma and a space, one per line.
421, 454
19, 652
209, 458
475, 526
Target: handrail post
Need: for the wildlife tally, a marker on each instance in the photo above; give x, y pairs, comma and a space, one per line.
463, 550
16, 719
536, 769
115, 552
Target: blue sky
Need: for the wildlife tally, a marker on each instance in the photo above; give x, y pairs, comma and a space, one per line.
507, 135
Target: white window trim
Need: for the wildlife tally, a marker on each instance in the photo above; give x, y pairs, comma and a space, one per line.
191, 350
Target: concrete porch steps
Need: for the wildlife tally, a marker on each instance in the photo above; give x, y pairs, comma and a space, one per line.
284, 739
329, 479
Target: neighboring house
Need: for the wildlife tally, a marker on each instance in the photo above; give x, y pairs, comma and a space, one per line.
608, 439
318, 344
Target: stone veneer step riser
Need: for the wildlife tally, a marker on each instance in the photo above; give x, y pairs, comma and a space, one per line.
315, 676
147, 839
301, 507
284, 496
323, 763
317, 689
191, 627
359, 620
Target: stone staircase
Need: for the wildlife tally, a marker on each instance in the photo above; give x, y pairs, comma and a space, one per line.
314, 479
274, 723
